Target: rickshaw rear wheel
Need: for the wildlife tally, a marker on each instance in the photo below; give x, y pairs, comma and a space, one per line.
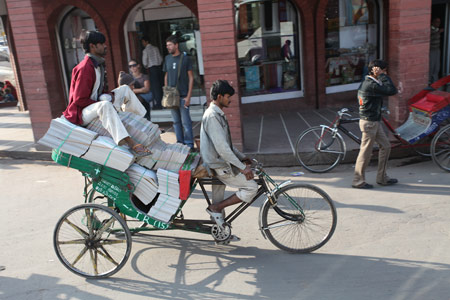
440, 148
92, 240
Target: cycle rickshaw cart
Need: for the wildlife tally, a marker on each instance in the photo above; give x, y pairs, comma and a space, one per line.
321, 148
94, 241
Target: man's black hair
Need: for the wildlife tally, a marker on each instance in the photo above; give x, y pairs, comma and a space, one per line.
91, 37
145, 38
221, 87
172, 39
377, 63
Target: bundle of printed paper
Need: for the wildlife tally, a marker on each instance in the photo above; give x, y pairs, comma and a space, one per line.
145, 183
68, 137
164, 208
104, 151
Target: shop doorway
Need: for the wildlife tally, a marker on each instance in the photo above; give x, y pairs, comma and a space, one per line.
72, 21
159, 22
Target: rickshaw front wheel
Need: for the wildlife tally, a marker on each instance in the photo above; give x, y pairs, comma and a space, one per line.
92, 240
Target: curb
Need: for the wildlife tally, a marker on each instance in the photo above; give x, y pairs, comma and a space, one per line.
267, 159
30, 155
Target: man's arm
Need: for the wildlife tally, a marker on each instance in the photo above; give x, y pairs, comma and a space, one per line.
387, 87
84, 81
165, 79
218, 137
187, 100
145, 58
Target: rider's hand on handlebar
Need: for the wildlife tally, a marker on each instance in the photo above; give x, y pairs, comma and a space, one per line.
248, 173
247, 161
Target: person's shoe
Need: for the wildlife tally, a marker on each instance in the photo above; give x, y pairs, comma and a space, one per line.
217, 217
2, 268
390, 181
364, 186
234, 238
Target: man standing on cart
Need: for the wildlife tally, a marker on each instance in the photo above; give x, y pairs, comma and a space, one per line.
221, 158
375, 86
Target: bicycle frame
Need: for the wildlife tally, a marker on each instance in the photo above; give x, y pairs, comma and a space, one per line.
264, 181
337, 125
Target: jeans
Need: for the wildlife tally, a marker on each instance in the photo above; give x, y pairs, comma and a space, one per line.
156, 80
182, 125
148, 97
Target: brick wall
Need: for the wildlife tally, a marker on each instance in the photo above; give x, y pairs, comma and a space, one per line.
408, 48
33, 22
28, 25
217, 28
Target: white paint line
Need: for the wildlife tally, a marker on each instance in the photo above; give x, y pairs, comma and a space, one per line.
287, 133
320, 115
303, 119
260, 133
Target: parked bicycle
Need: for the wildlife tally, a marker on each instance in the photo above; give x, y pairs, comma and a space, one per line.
321, 148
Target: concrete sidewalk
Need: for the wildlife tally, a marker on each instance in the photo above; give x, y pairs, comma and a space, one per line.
269, 138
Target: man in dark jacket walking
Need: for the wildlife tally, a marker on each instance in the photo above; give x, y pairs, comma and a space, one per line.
375, 86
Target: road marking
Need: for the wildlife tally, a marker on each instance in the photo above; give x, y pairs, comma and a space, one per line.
303, 119
260, 133
320, 115
287, 133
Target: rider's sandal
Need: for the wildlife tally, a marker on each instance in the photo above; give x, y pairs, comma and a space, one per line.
141, 153
217, 217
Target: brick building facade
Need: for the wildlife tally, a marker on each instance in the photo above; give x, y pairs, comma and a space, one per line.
401, 29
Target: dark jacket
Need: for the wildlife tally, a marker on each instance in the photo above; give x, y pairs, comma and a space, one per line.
370, 96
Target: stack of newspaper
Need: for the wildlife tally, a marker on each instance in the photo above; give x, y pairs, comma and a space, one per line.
165, 156
68, 137
150, 161
168, 183
104, 151
144, 180
164, 208
140, 129
172, 157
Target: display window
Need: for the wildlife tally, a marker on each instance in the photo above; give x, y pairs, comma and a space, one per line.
352, 39
268, 50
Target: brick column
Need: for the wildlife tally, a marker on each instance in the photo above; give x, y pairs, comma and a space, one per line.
408, 51
218, 35
35, 58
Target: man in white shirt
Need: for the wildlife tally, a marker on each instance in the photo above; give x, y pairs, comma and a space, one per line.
152, 60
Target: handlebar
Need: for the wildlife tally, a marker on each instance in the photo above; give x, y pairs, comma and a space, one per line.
256, 166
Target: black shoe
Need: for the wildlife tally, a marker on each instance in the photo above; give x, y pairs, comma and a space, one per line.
364, 186
391, 181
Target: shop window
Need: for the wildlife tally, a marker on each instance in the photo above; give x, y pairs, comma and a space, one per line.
268, 50
351, 41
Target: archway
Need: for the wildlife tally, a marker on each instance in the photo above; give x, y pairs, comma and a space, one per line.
159, 19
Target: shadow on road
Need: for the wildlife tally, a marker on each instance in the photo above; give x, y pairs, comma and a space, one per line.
39, 286
201, 269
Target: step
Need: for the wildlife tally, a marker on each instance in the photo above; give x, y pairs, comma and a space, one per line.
164, 115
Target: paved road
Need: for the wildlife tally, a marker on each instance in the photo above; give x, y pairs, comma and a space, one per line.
390, 243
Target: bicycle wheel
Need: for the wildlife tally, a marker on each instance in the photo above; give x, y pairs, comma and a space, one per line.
92, 241
440, 148
315, 213
319, 150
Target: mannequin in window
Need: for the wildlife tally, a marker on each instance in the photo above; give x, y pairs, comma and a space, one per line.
286, 51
